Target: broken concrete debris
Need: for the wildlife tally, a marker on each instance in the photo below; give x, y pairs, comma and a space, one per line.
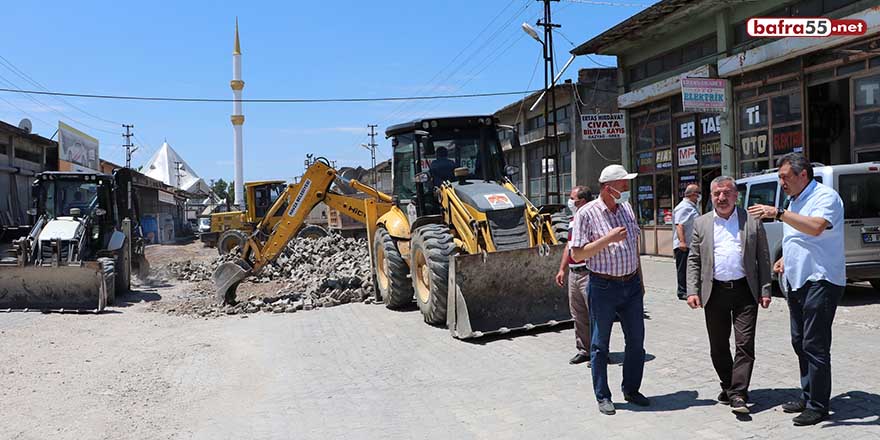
323, 272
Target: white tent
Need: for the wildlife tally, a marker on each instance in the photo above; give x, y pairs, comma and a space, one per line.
167, 166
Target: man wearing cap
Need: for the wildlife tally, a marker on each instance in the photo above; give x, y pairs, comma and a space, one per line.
606, 236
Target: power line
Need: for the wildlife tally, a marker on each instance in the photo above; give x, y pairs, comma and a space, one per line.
603, 3
264, 100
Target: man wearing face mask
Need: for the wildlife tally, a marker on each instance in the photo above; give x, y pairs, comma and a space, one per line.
683, 217
606, 236
577, 282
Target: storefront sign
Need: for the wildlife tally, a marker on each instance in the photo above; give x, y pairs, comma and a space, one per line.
646, 162
687, 155
165, 197
710, 153
703, 95
686, 130
603, 126
646, 192
710, 125
788, 140
754, 145
686, 178
664, 159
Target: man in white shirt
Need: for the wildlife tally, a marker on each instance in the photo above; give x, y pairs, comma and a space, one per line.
729, 275
683, 218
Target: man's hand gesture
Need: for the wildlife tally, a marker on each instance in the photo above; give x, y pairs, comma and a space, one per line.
617, 234
694, 301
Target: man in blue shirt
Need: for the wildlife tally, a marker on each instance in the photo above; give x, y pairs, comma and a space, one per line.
442, 168
813, 272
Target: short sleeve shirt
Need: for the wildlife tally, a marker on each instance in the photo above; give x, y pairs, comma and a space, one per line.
594, 221
684, 214
809, 258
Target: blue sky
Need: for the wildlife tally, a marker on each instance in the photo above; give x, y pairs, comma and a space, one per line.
291, 49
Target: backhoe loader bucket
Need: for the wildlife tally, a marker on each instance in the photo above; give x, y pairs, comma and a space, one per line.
497, 292
227, 277
85, 287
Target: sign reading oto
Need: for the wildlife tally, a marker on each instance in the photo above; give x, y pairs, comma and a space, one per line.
603, 126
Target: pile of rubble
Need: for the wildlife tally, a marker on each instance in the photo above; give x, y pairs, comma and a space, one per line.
312, 273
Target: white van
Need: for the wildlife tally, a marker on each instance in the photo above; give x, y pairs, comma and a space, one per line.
858, 186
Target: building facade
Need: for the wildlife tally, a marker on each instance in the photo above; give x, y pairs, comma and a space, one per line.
22, 155
580, 160
817, 96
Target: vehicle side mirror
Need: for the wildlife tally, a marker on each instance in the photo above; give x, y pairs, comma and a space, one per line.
510, 170
514, 136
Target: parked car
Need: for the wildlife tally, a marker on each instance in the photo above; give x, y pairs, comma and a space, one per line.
204, 224
858, 186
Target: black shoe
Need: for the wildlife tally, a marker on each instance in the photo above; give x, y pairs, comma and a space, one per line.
723, 398
579, 358
606, 407
809, 417
637, 398
683, 297
795, 406
738, 405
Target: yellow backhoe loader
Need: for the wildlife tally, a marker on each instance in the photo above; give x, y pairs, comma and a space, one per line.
456, 234
230, 229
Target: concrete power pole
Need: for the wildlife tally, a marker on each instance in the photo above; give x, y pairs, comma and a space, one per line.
179, 168
373, 146
551, 135
129, 148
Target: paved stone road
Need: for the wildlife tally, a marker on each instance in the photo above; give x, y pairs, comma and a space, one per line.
365, 372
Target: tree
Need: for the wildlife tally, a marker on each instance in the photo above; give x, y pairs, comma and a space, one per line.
222, 189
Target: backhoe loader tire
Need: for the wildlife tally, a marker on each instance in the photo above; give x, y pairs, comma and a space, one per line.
560, 222
312, 232
431, 248
108, 271
391, 271
229, 240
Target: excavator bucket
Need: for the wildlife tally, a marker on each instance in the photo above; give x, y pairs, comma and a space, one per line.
78, 288
497, 292
227, 277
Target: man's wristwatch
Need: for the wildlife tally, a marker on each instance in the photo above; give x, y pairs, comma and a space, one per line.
779, 212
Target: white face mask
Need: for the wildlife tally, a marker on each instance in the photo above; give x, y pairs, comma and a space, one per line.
699, 198
571, 206
622, 197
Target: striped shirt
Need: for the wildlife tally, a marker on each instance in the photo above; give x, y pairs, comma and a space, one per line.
595, 221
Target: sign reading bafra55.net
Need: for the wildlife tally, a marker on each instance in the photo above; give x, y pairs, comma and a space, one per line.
702, 95
603, 126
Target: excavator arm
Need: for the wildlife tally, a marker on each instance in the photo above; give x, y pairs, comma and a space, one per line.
265, 244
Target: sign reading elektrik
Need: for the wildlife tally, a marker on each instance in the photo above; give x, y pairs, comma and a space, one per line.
603, 126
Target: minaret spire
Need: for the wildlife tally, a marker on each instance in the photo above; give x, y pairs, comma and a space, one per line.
237, 86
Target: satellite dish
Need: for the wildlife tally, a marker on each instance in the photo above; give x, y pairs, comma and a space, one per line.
26, 125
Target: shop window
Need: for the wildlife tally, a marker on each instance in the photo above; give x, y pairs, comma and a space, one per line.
769, 89
867, 91
754, 145
851, 68
686, 178
754, 167
867, 128
654, 67
672, 60
664, 199
788, 140
661, 135
866, 119
753, 116
4, 148
856, 191
645, 199
786, 108
874, 62
28, 155
645, 162
710, 152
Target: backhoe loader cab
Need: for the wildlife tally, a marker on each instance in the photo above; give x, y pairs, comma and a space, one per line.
229, 229
79, 252
466, 143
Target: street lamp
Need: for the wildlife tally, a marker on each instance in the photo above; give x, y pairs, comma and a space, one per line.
372, 149
527, 28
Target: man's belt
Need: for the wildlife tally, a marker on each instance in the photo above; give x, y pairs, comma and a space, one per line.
623, 278
732, 284
579, 269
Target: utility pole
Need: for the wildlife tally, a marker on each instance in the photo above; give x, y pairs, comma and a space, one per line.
551, 136
129, 148
373, 146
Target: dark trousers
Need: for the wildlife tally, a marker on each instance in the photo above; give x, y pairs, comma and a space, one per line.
812, 309
606, 300
737, 307
681, 262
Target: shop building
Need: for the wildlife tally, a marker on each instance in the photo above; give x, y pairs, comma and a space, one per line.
817, 96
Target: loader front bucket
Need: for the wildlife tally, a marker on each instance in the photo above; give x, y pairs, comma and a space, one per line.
227, 277
497, 292
61, 288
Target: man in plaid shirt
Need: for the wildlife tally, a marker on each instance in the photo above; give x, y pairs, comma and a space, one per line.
606, 235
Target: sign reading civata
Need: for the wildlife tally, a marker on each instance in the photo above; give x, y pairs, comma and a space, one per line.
603, 126
703, 95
